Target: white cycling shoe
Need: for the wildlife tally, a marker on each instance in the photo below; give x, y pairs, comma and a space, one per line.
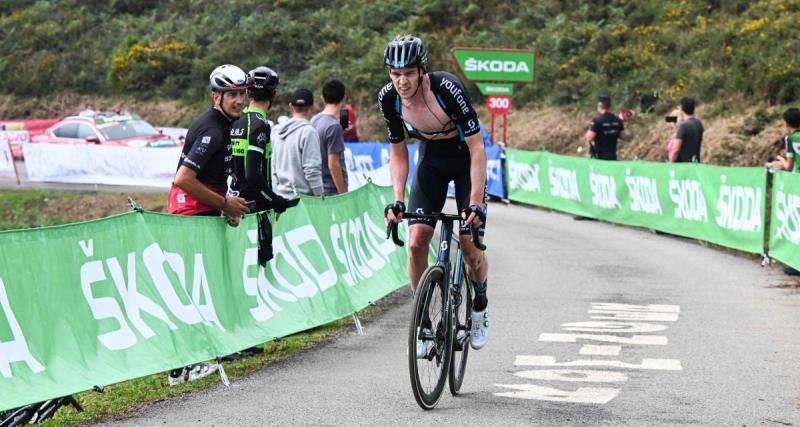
422, 349
479, 332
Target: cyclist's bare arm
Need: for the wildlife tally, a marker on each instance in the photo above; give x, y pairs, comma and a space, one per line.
398, 168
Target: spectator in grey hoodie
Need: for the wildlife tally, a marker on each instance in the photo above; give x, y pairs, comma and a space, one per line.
296, 156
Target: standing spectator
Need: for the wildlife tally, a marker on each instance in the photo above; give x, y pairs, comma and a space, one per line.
689, 136
350, 132
791, 121
296, 160
791, 142
201, 181
252, 151
334, 170
607, 129
206, 162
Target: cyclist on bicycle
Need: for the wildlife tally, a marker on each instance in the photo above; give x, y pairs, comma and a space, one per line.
434, 108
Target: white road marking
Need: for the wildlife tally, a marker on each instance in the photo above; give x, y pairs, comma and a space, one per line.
592, 395
574, 375
649, 364
607, 326
633, 315
600, 350
654, 308
636, 339
607, 319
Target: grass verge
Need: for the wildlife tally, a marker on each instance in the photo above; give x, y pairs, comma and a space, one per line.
40, 208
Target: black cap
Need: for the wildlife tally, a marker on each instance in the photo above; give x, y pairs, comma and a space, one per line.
605, 100
302, 98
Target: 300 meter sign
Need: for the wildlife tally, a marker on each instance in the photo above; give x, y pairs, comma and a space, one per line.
498, 105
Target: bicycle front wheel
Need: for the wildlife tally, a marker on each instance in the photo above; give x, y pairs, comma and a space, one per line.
430, 338
462, 321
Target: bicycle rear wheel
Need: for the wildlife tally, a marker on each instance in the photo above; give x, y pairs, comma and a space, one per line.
462, 317
431, 324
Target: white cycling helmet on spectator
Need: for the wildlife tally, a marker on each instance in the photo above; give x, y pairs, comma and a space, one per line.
227, 78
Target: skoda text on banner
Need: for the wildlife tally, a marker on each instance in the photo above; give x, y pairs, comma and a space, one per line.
722, 205
784, 230
105, 301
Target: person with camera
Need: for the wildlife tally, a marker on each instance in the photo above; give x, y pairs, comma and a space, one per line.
606, 131
347, 117
684, 147
331, 138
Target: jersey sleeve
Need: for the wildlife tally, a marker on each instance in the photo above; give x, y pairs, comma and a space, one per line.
790, 152
456, 103
597, 125
681, 132
207, 143
388, 104
335, 139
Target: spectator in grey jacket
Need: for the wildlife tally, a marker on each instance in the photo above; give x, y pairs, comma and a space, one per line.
296, 156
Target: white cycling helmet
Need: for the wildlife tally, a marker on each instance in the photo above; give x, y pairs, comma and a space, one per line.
226, 78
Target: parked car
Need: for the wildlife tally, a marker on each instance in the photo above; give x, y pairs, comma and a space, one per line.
127, 130
178, 134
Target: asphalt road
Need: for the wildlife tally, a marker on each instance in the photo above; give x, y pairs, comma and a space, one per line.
718, 343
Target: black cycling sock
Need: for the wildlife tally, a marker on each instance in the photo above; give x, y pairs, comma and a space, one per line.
480, 301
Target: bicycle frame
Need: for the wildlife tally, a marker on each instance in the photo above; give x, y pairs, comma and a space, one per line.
446, 238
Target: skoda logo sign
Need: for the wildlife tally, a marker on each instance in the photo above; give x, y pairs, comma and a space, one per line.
473, 64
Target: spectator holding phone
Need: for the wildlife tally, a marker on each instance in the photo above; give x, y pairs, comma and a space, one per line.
607, 129
349, 125
685, 145
331, 138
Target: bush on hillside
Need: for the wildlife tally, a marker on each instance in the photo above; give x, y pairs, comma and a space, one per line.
709, 48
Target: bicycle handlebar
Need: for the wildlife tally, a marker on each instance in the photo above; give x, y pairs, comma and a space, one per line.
391, 227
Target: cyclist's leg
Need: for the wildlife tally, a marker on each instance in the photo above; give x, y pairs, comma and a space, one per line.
476, 259
478, 266
428, 194
419, 240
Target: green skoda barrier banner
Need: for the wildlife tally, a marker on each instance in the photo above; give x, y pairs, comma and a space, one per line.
722, 205
105, 301
784, 229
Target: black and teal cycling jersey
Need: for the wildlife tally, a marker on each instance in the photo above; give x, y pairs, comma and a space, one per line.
451, 96
440, 160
